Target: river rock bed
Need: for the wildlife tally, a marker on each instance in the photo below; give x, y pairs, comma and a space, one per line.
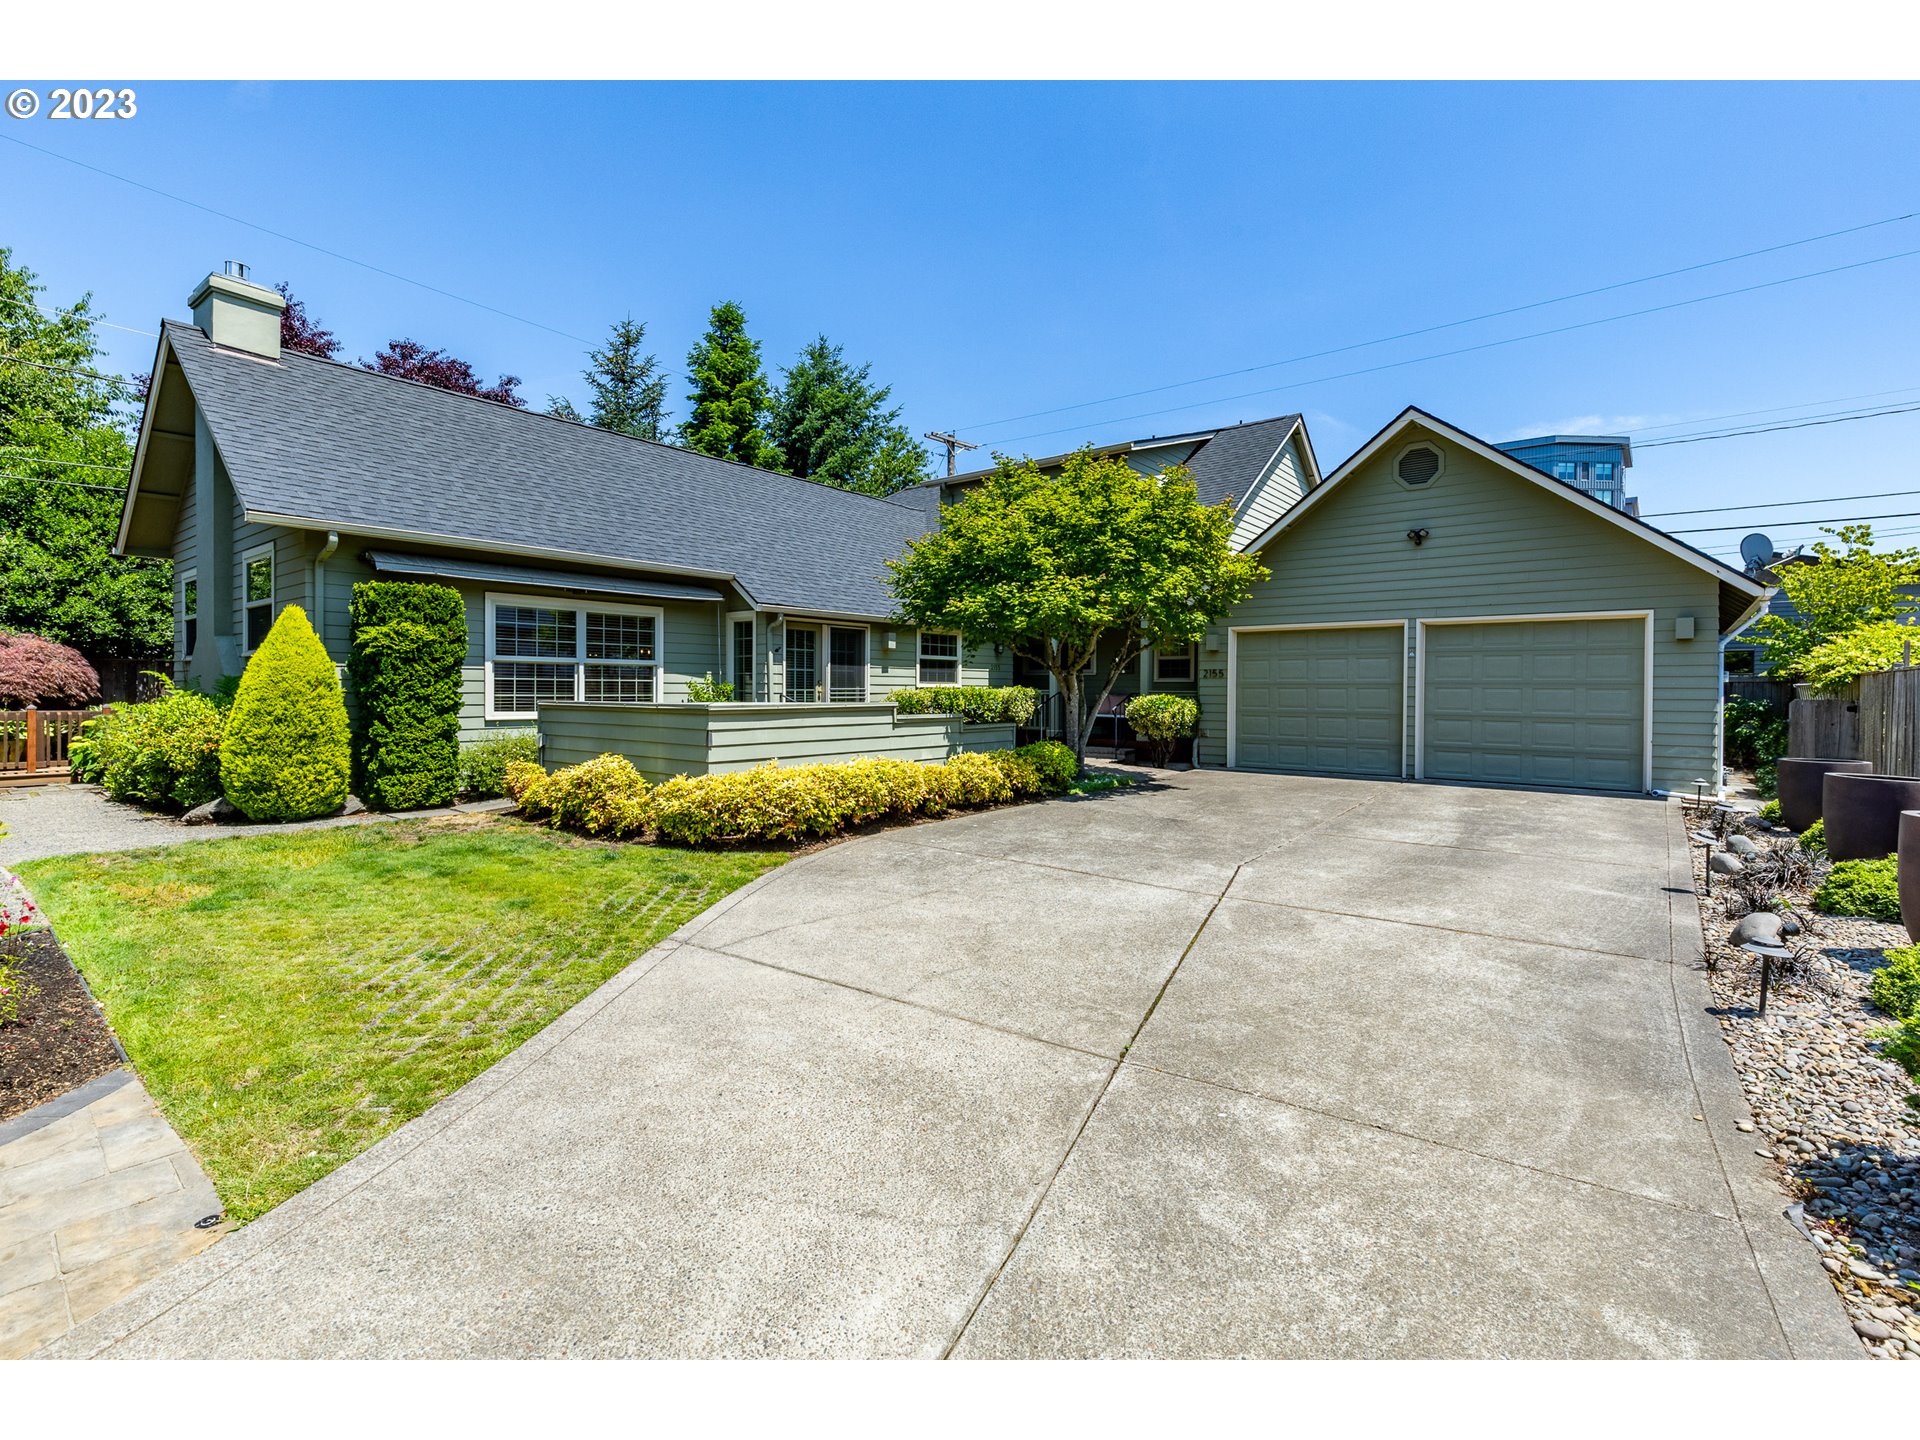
1831, 1113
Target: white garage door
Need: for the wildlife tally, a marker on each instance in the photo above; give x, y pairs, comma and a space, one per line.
1552, 702
1320, 700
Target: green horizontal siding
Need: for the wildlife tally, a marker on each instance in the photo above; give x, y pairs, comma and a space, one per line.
1497, 545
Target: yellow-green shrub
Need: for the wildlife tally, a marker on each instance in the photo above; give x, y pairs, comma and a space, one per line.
1054, 760
520, 778
974, 780
285, 754
605, 797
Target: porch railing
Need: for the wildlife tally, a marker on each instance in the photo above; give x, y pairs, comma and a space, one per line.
35, 742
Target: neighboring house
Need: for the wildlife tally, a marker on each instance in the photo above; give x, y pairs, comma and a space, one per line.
1597, 464
1437, 608
595, 566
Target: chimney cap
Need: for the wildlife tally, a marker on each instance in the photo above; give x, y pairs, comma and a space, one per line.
235, 268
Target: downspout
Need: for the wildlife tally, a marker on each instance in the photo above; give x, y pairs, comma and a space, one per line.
320, 585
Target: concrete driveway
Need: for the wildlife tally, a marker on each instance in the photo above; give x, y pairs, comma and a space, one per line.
1234, 1065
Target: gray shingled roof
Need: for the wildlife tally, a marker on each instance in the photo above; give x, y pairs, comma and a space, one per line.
1227, 465
352, 449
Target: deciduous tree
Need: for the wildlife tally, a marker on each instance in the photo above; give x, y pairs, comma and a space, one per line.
1846, 586
64, 456
300, 331
1052, 565
410, 360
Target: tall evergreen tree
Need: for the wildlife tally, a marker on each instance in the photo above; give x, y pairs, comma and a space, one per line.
629, 388
832, 423
65, 434
730, 394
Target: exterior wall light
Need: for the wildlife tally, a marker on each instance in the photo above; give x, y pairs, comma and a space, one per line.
1418, 537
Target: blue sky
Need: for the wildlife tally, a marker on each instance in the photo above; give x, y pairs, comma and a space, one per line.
996, 250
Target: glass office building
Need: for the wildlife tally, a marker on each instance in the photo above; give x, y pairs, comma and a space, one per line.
1596, 464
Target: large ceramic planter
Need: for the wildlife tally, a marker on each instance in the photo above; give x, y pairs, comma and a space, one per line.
1800, 779
1910, 872
1863, 813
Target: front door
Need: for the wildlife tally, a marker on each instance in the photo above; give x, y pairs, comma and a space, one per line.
846, 664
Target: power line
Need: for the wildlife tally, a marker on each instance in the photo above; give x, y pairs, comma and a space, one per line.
64, 369
1769, 429
1445, 325
1484, 345
71, 484
69, 464
309, 245
1782, 504
1772, 409
1830, 520
89, 319
1859, 412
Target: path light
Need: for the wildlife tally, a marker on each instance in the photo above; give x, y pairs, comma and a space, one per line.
1768, 954
1700, 793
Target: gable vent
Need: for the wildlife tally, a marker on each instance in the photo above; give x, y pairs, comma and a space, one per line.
1419, 465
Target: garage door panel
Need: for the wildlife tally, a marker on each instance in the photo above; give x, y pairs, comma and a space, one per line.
1557, 703
1335, 702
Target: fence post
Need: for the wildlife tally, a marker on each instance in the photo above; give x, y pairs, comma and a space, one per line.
33, 739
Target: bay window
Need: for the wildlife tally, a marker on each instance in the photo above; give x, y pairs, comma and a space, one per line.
547, 650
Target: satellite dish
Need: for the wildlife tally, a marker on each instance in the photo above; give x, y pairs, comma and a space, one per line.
1756, 549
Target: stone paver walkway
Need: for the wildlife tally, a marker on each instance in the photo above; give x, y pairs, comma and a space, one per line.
97, 1196
63, 819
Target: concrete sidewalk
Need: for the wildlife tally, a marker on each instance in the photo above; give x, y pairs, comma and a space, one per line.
1235, 1065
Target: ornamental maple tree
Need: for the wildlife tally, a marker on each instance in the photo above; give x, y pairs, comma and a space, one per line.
410, 360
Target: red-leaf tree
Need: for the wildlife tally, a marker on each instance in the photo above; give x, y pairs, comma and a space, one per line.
300, 331
34, 671
410, 360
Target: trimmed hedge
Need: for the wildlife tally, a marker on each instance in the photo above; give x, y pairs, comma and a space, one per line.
483, 763
1162, 719
286, 754
975, 704
408, 644
608, 799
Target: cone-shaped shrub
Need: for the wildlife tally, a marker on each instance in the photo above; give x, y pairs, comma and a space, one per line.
408, 643
285, 753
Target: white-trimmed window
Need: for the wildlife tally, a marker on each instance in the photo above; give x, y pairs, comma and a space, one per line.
740, 655
189, 611
546, 650
1175, 666
256, 596
939, 658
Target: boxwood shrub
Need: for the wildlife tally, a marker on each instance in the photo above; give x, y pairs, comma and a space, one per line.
483, 763
408, 644
285, 754
975, 704
1861, 887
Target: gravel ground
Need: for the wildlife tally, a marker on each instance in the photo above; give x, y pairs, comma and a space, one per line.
45, 820
1829, 1110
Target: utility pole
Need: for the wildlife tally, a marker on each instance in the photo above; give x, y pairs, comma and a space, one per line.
954, 445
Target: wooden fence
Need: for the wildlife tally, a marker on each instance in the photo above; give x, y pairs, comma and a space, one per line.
1774, 693
1877, 719
34, 742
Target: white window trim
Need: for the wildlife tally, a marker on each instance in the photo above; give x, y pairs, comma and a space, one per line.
738, 617
1192, 656
959, 658
188, 577
579, 607
247, 557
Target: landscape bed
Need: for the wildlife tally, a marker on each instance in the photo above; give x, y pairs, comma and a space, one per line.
289, 999
1830, 1110
60, 1039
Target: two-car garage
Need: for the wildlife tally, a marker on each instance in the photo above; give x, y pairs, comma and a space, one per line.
1435, 609
1551, 701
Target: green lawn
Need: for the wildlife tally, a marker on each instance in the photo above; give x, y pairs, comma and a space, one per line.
289, 999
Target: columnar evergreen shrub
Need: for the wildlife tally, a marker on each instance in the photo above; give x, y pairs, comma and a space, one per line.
285, 754
483, 763
408, 644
